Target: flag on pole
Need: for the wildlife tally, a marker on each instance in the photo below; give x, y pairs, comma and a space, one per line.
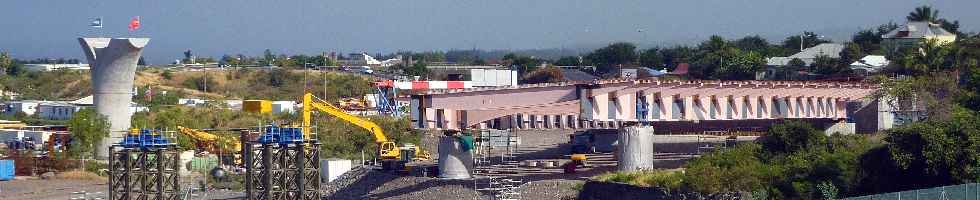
96, 23
134, 24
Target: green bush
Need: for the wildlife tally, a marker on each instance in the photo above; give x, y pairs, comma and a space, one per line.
663, 179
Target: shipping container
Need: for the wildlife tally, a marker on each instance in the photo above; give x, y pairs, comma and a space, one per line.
257, 106
6, 170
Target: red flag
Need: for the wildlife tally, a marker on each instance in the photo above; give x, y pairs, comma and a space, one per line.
134, 24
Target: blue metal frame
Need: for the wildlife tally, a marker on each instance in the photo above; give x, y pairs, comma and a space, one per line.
280, 135
385, 105
147, 138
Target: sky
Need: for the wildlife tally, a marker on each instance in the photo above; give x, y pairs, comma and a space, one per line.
49, 28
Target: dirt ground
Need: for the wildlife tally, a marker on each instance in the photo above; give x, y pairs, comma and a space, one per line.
534, 182
51, 189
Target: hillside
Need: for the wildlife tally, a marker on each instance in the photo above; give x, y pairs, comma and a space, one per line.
278, 84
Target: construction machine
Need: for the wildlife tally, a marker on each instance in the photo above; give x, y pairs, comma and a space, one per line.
352, 103
387, 150
212, 143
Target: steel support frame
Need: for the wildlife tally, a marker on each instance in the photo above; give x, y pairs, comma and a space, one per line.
144, 174
283, 171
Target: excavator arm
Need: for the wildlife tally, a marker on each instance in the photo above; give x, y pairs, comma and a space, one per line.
203, 136
309, 105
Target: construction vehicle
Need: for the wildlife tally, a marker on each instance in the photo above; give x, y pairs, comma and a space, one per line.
387, 150
352, 103
211, 142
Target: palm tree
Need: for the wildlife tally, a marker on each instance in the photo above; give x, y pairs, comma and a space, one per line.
923, 13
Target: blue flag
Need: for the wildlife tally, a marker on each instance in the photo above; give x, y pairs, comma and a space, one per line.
96, 23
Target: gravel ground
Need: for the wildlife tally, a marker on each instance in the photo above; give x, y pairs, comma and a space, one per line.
50, 189
362, 183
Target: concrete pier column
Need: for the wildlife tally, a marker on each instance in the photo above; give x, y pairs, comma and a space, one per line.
689, 108
767, 109
113, 69
754, 111
722, 109
705, 112
454, 161
651, 107
666, 107
635, 150
738, 107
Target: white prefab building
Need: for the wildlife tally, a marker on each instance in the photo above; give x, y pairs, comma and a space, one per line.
27, 107
493, 77
283, 106
190, 102
56, 110
52, 67
331, 169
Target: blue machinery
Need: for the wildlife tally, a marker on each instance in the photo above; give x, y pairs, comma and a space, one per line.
281, 164
387, 106
144, 165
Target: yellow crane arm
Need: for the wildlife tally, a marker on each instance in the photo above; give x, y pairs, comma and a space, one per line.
208, 137
309, 105
197, 135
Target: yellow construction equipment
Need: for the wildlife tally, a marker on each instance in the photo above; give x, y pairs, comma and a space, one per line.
386, 149
208, 140
351, 103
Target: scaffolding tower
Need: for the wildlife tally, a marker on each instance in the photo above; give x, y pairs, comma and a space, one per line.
144, 166
281, 165
494, 153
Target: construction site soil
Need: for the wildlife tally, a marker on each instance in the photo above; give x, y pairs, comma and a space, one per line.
537, 182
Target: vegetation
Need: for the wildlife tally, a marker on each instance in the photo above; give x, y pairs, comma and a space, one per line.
87, 128
792, 161
663, 179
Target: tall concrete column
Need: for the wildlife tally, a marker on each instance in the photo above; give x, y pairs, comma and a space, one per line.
738, 103
667, 107
113, 69
636, 151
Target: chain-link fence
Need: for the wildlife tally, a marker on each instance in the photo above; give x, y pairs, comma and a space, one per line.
969, 191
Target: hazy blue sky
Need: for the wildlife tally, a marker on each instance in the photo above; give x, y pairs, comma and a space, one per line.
48, 28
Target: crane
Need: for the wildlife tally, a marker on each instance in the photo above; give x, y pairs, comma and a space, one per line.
386, 149
208, 138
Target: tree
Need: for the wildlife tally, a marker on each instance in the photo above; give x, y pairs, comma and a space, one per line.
544, 75
652, 58
825, 65
188, 57
5, 61
923, 13
851, 52
810, 39
523, 64
796, 62
268, 57
677, 55
792, 136
944, 151
609, 58
867, 40
714, 43
739, 65
928, 14
752, 43
569, 61
417, 69
87, 128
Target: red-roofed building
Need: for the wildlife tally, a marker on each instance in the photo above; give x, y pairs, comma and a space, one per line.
680, 70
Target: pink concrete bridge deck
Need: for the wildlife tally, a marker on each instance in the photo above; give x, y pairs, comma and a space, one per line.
604, 103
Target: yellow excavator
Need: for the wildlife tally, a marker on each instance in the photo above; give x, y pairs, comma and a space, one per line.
211, 142
387, 150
